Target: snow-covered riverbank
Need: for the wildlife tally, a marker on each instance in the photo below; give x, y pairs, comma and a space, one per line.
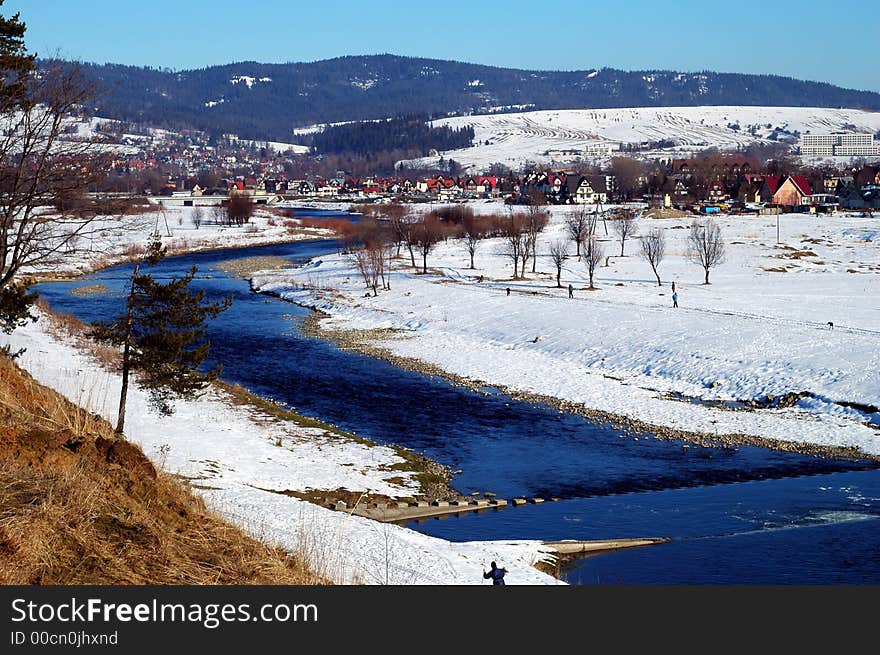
761, 329
231, 455
113, 239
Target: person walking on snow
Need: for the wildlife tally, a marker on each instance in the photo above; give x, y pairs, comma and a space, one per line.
508, 291
675, 298
570, 291
495, 574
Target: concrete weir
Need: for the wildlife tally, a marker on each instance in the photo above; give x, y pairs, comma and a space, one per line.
402, 511
569, 550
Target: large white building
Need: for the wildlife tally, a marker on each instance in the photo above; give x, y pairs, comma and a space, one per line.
839, 145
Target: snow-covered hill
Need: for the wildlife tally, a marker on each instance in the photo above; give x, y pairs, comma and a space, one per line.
513, 139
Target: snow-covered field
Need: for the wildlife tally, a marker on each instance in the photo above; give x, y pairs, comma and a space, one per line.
516, 138
761, 328
110, 239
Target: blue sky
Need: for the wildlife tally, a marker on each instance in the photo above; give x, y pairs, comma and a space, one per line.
836, 42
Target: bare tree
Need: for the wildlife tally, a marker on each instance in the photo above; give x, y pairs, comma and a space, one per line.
592, 256
558, 255
653, 250
706, 246
473, 231
407, 231
239, 209
515, 244
197, 216
372, 262
385, 255
218, 215
628, 174
428, 233
576, 228
361, 260
45, 170
397, 217
625, 226
535, 221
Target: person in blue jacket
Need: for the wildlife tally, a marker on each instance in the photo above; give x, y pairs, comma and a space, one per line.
675, 298
496, 574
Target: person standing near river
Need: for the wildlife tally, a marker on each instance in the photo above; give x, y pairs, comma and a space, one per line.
495, 574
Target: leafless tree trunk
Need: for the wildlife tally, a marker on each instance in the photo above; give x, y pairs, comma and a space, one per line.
428, 233
653, 250
361, 259
126, 353
706, 246
397, 222
535, 222
558, 254
514, 242
624, 226
577, 227
473, 231
218, 214
408, 236
592, 256
197, 217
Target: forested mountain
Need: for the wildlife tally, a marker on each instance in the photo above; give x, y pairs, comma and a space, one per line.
363, 138
266, 101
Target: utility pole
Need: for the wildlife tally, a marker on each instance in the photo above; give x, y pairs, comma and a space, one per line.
777, 226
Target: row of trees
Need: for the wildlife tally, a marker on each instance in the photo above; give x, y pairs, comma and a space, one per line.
386, 231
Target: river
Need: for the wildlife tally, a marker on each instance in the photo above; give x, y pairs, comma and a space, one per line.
735, 515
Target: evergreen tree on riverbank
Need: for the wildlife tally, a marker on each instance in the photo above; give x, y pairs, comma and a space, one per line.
162, 335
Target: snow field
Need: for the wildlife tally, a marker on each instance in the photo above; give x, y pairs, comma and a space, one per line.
761, 327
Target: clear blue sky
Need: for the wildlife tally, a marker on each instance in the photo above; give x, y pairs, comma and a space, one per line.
835, 42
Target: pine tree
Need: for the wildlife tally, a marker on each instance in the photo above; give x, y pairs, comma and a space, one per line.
162, 335
15, 64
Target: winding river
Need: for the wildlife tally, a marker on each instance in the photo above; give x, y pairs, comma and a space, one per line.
743, 515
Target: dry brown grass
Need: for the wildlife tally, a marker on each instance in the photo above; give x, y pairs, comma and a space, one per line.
79, 506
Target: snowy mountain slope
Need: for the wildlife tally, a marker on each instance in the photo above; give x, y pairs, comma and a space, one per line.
265, 101
515, 138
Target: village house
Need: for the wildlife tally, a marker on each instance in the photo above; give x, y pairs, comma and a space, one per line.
586, 190
715, 191
674, 193
794, 192
769, 185
448, 189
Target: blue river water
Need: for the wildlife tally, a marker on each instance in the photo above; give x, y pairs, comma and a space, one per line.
735, 515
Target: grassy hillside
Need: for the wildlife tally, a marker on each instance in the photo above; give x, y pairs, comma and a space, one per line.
79, 506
